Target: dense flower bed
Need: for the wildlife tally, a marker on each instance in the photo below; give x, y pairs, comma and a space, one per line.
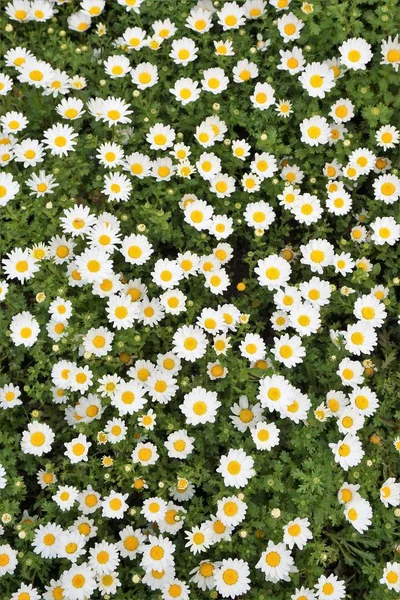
199, 327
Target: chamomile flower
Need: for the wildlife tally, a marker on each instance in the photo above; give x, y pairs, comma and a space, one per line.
317, 79
60, 139
128, 397
236, 468
342, 110
307, 209
24, 329
29, 152
391, 576
390, 493
77, 449
360, 338
339, 202
9, 188
200, 406
387, 136
134, 38
317, 254
385, 231
305, 318
138, 165
70, 108
303, 594
276, 562
348, 452
166, 273
114, 111
315, 131
214, 80
231, 575
252, 347
274, 392
291, 60
288, 350
263, 96
245, 416
230, 511
265, 435
273, 272
114, 505
203, 575
185, 90
297, 533
289, 27
158, 553
65, 497
355, 53
199, 20
41, 184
